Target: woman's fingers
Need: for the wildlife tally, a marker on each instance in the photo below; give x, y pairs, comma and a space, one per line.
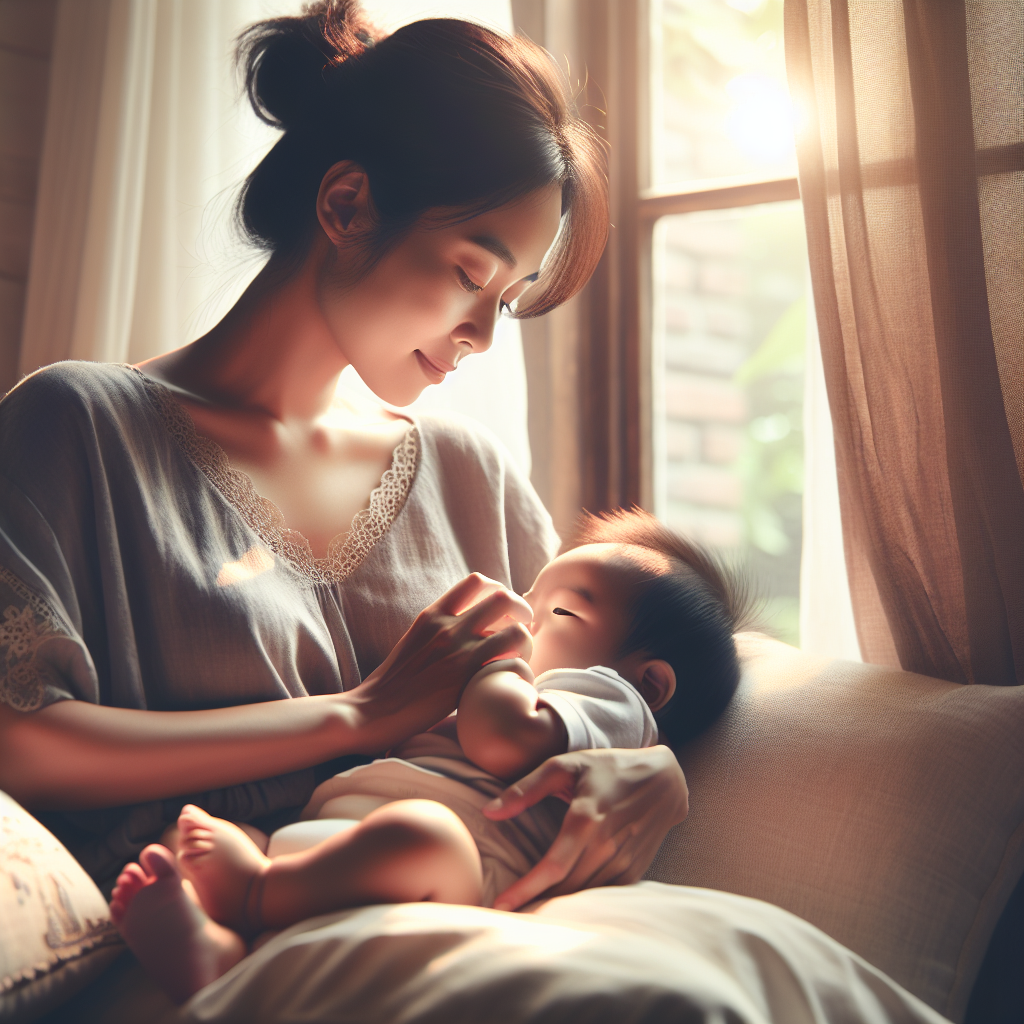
512, 642
601, 860
494, 607
621, 804
552, 778
464, 594
556, 866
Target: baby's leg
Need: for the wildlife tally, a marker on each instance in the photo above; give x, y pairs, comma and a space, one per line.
258, 836
173, 938
405, 851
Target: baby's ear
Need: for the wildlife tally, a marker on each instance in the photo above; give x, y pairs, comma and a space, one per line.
657, 683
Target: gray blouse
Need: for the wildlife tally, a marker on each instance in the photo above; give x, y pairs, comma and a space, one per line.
139, 570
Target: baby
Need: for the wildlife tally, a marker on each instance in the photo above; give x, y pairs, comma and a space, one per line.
632, 644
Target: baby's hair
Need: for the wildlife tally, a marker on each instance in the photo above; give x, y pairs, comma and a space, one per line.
684, 608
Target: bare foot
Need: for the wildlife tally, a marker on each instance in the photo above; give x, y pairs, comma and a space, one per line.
225, 866
181, 949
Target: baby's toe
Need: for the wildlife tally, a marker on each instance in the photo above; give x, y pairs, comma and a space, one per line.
158, 861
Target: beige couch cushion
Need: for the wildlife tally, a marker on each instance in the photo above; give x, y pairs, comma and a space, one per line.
883, 807
56, 933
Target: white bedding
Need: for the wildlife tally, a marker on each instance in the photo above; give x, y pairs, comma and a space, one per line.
644, 953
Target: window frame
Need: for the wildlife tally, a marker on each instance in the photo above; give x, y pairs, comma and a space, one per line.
636, 209
589, 364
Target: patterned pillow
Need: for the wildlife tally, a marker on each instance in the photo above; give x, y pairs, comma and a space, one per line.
884, 807
56, 934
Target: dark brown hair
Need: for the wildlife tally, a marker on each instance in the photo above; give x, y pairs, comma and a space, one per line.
683, 608
441, 114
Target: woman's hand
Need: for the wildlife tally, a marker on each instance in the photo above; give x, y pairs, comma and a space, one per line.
621, 805
73, 754
421, 680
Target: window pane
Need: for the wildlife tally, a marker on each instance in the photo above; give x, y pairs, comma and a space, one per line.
719, 100
730, 318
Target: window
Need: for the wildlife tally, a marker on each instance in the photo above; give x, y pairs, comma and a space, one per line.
728, 288
675, 381
685, 352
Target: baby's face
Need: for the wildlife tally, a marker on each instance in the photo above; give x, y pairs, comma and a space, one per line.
578, 616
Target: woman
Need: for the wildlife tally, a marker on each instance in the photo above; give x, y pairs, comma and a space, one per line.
187, 544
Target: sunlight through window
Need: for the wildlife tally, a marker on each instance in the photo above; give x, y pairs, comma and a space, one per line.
730, 295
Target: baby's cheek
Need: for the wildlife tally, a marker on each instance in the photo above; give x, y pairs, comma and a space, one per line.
544, 655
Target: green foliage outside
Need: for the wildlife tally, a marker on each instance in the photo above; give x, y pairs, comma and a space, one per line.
771, 464
715, 56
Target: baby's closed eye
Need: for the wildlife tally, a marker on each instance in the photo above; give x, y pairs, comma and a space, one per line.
562, 611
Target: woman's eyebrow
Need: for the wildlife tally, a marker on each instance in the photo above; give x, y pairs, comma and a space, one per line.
495, 246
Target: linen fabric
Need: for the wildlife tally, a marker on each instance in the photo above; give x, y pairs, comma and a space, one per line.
600, 709
647, 953
139, 570
56, 934
885, 808
911, 168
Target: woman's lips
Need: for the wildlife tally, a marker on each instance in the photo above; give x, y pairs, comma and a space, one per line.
434, 370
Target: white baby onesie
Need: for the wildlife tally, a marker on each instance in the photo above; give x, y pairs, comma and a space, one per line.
600, 709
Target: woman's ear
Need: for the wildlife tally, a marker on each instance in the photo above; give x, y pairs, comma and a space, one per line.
343, 200
657, 683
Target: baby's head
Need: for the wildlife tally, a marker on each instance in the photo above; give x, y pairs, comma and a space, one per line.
633, 595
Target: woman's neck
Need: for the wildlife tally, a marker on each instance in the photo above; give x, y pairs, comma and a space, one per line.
272, 354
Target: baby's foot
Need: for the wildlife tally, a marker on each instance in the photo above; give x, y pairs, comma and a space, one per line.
175, 941
224, 865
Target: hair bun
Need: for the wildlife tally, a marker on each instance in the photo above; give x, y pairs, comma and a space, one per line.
284, 59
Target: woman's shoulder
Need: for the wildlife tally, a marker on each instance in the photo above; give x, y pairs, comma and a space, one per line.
71, 407
456, 439
74, 384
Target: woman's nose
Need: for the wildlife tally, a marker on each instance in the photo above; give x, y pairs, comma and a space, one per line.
477, 333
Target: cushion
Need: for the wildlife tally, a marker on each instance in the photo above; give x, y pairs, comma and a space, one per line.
884, 807
56, 934
647, 954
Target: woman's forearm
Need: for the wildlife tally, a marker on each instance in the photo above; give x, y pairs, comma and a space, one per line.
79, 755
502, 730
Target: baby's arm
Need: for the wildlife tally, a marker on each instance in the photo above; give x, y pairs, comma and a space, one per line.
501, 728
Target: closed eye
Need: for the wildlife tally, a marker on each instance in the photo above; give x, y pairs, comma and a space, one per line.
467, 282
562, 611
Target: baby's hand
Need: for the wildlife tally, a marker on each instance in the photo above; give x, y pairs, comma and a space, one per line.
517, 665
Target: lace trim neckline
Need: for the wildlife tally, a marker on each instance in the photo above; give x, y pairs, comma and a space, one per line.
347, 551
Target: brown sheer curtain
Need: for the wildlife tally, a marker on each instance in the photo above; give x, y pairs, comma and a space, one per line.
912, 177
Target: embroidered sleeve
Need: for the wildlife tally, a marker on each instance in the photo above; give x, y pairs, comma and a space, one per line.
30, 635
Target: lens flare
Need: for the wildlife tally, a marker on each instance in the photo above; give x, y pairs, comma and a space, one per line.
762, 121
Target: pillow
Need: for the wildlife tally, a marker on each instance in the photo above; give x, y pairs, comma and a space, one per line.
884, 807
642, 953
56, 934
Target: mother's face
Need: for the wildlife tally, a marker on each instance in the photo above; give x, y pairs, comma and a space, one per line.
434, 298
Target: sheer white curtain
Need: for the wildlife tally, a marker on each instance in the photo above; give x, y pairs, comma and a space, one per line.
146, 142
145, 138
827, 625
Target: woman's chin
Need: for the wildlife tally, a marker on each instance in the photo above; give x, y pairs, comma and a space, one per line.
398, 395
